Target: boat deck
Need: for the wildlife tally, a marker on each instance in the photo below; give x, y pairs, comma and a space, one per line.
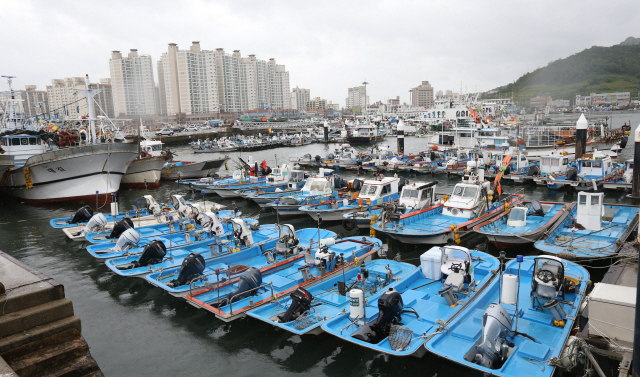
533, 223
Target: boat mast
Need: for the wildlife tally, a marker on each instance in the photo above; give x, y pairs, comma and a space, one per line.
11, 118
90, 93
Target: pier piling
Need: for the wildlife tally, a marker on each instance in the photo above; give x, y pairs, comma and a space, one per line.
400, 131
581, 136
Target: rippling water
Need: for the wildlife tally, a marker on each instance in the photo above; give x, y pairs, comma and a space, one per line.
137, 330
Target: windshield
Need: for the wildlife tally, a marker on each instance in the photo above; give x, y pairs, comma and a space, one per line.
465, 192
517, 214
316, 186
410, 194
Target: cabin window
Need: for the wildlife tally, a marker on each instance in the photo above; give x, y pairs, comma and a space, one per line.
33, 141
523, 158
410, 194
15, 141
317, 186
4, 142
583, 199
595, 200
24, 141
517, 215
470, 192
544, 161
597, 164
425, 194
372, 190
586, 164
565, 161
364, 189
631, 165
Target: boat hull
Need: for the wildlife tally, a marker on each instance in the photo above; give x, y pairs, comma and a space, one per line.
73, 174
143, 173
193, 170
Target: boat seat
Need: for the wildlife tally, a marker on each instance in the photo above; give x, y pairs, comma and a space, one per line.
622, 219
468, 331
410, 297
529, 349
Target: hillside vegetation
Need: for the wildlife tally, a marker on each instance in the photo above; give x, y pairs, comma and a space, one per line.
597, 69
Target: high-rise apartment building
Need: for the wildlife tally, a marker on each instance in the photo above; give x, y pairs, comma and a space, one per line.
187, 81
279, 86
357, 97
133, 84
422, 95
299, 98
64, 100
34, 102
317, 104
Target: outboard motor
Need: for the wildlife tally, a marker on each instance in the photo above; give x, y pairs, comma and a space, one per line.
127, 240
492, 350
536, 208
330, 156
624, 141
83, 215
572, 173
357, 185
300, 303
390, 307
96, 224
153, 253
250, 279
120, 227
533, 171
318, 159
192, 267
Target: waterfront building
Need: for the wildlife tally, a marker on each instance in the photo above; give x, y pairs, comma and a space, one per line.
422, 95
65, 101
559, 103
299, 98
133, 84
604, 99
34, 102
187, 81
539, 101
317, 104
357, 97
279, 86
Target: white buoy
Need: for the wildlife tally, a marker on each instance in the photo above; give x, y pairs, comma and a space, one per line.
509, 289
114, 209
356, 299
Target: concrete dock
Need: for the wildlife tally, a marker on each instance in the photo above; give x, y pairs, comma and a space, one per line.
39, 333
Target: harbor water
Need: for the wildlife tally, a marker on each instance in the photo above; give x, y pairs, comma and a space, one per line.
135, 329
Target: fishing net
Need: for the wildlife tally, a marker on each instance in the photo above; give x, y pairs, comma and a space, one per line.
305, 321
399, 337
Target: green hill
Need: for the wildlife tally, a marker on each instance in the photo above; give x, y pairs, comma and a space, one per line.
597, 69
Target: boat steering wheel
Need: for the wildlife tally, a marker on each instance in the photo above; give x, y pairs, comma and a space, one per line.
546, 276
455, 267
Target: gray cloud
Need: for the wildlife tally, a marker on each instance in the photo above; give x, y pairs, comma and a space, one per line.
327, 46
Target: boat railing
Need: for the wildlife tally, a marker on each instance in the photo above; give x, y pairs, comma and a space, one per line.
245, 292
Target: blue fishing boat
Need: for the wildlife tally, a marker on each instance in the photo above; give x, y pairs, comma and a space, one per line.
278, 252
155, 258
451, 219
237, 228
279, 177
421, 304
176, 225
255, 286
201, 184
517, 325
593, 230
262, 198
373, 192
305, 309
295, 182
525, 223
593, 170
314, 191
413, 197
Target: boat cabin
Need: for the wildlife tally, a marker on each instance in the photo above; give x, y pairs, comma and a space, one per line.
590, 210
153, 147
418, 195
464, 201
318, 186
553, 164
295, 177
22, 146
595, 165
278, 175
628, 171
373, 189
518, 163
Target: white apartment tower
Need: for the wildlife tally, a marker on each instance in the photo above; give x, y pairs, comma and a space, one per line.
299, 98
133, 84
279, 86
65, 101
357, 97
228, 73
34, 102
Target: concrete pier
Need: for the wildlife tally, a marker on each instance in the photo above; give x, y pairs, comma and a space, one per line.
39, 333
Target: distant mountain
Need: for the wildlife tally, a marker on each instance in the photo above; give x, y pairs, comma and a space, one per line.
630, 41
596, 69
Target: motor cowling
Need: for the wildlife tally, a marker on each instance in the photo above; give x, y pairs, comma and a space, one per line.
127, 240
300, 303
83, 215
533, 171
357, 185
192, 267
250, 279
96, 224
390, 306
494, 348
120, 227
536, 208
153, 253
572, 173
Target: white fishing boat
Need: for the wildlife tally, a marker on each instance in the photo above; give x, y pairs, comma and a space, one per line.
144, 172
77, 173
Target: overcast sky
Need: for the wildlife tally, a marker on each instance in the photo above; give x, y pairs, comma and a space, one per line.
327, 46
